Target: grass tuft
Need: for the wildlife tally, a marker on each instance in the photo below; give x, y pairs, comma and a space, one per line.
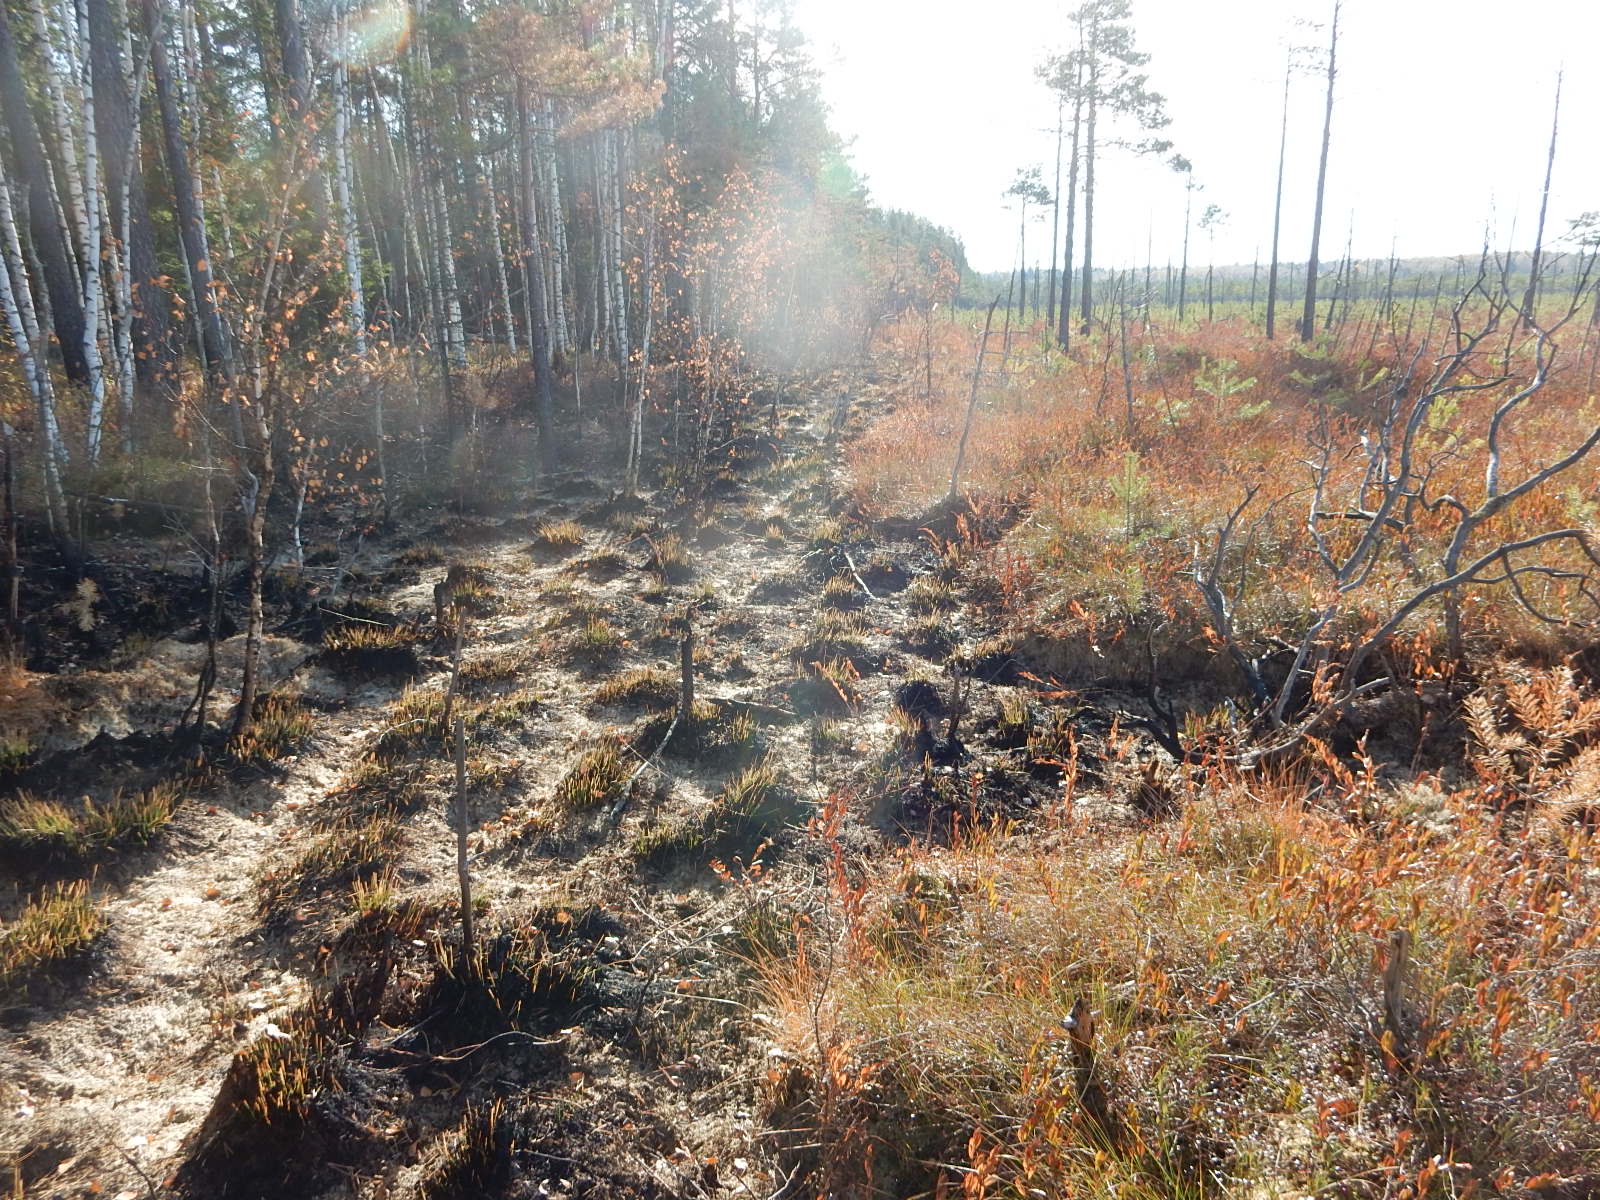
16, 751
282, 726
601, 565
375, 650
346, 852
826, 688
930, 594
669, 558
596, 640
646, 687
595, 779
834, 636
425, 554
747, 811
474, 1158
31, 825
929, 636
276, 1079
841, 592
562, 537
54, 928
780, 588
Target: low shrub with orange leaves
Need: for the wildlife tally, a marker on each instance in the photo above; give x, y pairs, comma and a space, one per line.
1128, 457
1254, 1033
1326, 971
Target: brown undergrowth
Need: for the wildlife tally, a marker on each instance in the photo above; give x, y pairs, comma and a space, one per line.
1256, 1033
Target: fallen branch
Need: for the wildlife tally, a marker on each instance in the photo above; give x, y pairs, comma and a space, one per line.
627, 788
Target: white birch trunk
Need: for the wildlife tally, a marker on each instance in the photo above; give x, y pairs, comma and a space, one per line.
619, 283
600, 286
347, 209
61, 119
122, 260
560, 259
189, 91
498, 243
17, 303
92, 282
636, 417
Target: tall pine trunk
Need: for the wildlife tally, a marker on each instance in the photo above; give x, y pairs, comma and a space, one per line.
1064, 313
191, 223
1277, 214
1087, 300
1308, 315
533, 281
1055, 220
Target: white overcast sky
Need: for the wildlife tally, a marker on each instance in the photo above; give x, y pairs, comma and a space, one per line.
1441, 119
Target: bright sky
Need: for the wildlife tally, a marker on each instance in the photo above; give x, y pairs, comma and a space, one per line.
1441, 120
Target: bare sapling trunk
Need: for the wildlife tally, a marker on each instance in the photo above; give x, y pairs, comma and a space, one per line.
686, 666
455, 665
972, 402
463, 872
1531, 299
255, 491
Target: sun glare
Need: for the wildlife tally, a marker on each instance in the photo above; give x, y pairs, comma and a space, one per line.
372, 35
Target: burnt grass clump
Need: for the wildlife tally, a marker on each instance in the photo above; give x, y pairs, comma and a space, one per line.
292, 1111
367, 650
526, 974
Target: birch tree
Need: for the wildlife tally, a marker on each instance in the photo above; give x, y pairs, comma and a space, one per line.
48, 234
16, 298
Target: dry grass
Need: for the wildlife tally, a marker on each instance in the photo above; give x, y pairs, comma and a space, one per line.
931, 595
834, 636
1234, 960
671, 561
929, 635
562, 536
841, 592
597, 639
595, 779
52, 929
32, 825
282, 726
359, 648
601, 565
646, 687
414, 724
344, 854
277, 1079
16, 749
503, 668
746, 812
826, 688
424, 554
474, 1158
711, 735
1117, 497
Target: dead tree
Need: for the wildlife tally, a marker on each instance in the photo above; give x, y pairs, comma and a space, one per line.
1387, 477
972, 401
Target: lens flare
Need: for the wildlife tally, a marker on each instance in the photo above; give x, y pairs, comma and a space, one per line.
367, 35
